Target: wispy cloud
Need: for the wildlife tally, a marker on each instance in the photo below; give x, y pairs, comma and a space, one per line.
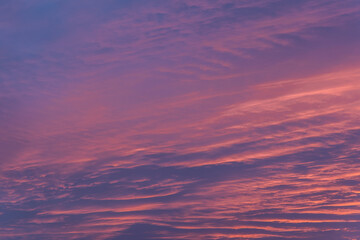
179, 119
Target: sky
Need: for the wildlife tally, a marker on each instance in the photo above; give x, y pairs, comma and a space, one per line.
179, 119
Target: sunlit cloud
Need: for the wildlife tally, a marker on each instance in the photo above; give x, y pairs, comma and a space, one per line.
179, 119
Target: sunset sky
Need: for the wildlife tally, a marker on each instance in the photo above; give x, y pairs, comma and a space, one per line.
179, 119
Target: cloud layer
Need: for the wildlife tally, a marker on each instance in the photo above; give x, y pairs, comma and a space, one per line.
216, 119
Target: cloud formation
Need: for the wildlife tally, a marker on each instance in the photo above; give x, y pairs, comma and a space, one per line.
215, 119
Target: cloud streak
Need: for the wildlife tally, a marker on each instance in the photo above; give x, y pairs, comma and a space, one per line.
179, 120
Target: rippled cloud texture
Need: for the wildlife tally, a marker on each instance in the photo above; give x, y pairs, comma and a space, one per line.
180, 119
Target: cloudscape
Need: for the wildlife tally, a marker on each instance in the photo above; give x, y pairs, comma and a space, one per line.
179, 119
